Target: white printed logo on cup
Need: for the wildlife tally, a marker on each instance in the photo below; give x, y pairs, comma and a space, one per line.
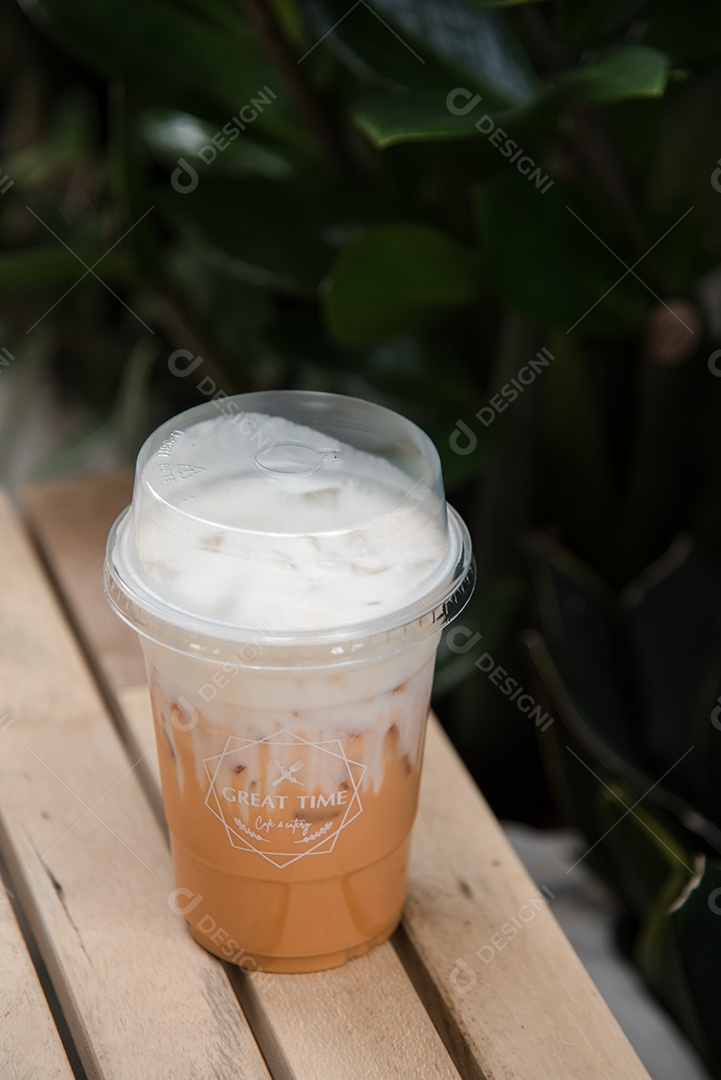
284, 797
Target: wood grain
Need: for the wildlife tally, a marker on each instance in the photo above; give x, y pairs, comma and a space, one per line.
529, 1012
492, 964
29, 1042
89, 863
79, 513
364, 1019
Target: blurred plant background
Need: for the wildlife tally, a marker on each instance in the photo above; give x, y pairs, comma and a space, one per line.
369, 232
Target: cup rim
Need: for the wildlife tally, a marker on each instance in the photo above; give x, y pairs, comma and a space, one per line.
205, 638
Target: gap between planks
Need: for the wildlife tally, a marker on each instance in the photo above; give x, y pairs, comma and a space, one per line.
91, 882
533, 1012
30, 1044
364, 1019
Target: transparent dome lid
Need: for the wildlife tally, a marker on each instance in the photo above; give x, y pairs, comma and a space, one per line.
314, 518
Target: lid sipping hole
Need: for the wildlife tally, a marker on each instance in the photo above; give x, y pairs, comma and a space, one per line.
292, 458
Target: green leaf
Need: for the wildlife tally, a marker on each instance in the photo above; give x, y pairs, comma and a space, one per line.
534, 242
389, 120
648, 859
498, 3
430, 62
219, 13
673, 616
228, 314
677, 952
33, 267
438, 116
171, 134
630, 71
393, 278
247, 230
418, 370
674, 893
408, 372
429, 44
599, 695
171, 55
585, 23
279, 236
696, 921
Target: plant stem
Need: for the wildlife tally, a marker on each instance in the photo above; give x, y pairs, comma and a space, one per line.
512, 480
311, 105
593, 140
601, 154
173, 318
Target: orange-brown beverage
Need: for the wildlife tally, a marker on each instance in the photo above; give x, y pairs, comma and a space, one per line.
290, 827
289, 563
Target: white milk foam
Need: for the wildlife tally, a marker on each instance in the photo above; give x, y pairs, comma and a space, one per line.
345, 544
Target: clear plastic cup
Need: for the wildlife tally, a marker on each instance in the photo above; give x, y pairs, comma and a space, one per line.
289, 561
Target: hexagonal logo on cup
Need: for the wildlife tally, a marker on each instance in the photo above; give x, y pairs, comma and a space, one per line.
284, 796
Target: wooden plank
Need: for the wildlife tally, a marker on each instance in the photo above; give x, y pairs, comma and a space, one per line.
492, 964
78, 515
532, 1010
29, 1042
364, 1019
81, 511
313, 1026
89, 863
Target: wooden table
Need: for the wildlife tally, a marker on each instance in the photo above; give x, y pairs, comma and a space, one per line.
456, 992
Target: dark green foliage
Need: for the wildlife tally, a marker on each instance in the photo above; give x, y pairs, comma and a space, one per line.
410, 201
635, 752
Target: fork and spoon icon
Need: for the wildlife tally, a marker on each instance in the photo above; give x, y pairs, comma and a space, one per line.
287, 774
